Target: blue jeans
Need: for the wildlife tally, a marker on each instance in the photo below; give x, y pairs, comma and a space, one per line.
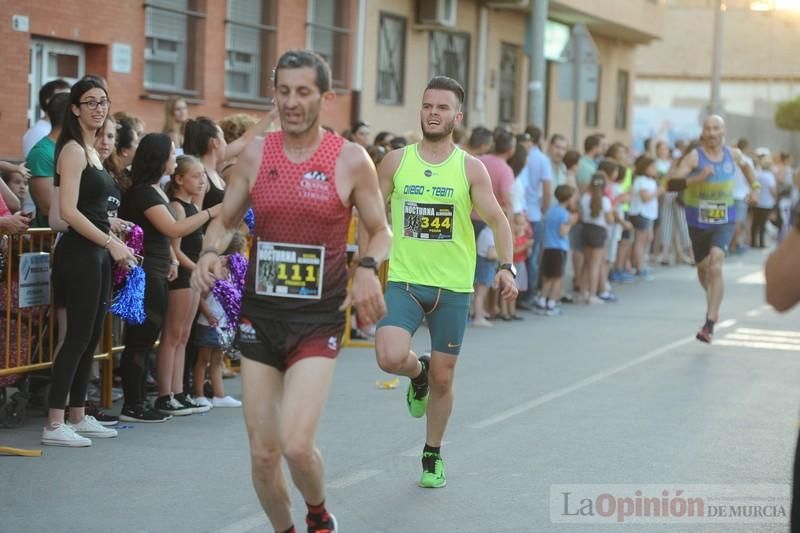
532, 263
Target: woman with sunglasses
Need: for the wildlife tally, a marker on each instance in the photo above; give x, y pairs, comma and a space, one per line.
81, 275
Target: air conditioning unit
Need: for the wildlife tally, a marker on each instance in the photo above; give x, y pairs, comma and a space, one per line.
436, 13
508, 4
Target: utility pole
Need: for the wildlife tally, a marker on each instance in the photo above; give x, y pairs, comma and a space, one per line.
715, 106
536, 74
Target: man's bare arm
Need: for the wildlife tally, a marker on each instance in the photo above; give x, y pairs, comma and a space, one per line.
368, 199
783, 265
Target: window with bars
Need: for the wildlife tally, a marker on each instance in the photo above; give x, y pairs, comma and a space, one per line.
509, 55
173, 51
449, 56
329, 35
621, 117
251, 48
391, 59
593, 108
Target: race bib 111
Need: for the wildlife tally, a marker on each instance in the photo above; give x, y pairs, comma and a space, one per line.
289, 270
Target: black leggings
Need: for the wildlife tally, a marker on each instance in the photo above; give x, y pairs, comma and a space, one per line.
139, 340
82, 284
759, 226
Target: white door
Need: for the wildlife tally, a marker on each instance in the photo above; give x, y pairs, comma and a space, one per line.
51, 60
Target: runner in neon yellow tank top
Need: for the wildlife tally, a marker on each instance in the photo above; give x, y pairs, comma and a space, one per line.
707, 174
433, 187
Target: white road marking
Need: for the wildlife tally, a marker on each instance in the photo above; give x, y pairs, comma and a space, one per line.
594, 378
762, 338
549, 397
769, 332
352, 479
755, 278
759, 345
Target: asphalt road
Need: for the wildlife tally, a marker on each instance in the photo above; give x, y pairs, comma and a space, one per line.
603, 399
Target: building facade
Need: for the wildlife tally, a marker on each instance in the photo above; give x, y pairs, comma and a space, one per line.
759, 67
219, 55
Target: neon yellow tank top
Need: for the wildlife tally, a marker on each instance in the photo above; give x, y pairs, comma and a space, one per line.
434, 242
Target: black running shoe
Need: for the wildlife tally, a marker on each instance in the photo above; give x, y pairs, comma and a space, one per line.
143, 414
187, 401
102, 417
168, 405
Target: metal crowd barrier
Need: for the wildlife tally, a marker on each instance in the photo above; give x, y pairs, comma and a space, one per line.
28, 316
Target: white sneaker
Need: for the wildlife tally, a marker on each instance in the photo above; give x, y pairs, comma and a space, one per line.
481, 323
63, 435
227, 401
202, 401
90, 427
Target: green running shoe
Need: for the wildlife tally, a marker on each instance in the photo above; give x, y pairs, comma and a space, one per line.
417, 405
432, 471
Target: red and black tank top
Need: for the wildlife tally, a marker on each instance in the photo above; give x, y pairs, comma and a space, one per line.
298, 260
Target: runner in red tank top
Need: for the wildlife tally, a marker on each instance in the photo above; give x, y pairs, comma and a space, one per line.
302, 183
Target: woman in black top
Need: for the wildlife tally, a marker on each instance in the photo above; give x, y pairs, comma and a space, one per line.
81, 273
202, 138
185, 188
147, 205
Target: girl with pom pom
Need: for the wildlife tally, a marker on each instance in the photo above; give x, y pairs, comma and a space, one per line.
81, 273
146, 205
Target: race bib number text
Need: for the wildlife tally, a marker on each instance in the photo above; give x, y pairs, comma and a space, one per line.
428, 221
289, 270
713, 212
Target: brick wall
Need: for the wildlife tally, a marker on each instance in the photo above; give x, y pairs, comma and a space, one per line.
99, 23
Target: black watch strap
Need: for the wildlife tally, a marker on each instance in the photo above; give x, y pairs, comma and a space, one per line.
510, 267
368, 262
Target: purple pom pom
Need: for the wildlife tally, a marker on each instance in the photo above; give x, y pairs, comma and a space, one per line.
135, 240
129, 303
228, 292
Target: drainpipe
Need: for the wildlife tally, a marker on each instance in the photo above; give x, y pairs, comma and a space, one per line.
358, 62
537, 62
480, 81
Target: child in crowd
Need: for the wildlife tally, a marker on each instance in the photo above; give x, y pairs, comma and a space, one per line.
17, 183
644, 211
484, 276
557, 223
213, 336
523, 242
597, 215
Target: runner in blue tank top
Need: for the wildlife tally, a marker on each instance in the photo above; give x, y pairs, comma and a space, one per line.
707, 174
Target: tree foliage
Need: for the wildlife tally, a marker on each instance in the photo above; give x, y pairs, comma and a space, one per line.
787, 115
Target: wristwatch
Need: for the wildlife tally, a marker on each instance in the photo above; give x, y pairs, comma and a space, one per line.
368, 262
510, 267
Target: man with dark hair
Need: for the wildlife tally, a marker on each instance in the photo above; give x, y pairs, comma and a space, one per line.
593, 149
42, 163
433, 187
538, 195
500, 174
42, 126
302, 183
480, 141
